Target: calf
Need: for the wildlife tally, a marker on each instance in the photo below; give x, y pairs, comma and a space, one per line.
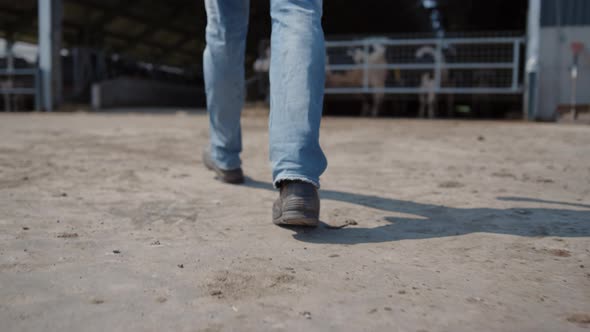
376, 77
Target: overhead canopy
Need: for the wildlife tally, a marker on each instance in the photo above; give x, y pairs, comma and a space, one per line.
171, 32
164, 32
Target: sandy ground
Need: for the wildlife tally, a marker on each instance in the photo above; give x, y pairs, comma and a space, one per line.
111, 223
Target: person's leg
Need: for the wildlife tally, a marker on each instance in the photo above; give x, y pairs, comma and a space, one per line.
297, 75
223, 66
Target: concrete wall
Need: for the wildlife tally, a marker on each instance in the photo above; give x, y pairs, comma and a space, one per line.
132, 92
555, 60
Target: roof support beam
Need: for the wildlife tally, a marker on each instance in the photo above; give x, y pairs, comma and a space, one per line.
22, 18
125, 12
126, 39
109, 16
153, 28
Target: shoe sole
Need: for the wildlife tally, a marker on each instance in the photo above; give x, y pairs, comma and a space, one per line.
296, 219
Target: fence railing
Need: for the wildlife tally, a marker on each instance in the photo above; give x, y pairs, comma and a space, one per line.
18, 82
416, 66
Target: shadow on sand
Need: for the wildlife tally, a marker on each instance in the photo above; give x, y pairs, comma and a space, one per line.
433, 221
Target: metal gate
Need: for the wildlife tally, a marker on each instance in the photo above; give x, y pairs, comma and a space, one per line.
17, 83
418, 66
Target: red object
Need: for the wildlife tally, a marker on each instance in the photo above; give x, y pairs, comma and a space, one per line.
577, 47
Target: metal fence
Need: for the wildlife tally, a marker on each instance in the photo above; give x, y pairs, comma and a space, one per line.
417, 66
17, 83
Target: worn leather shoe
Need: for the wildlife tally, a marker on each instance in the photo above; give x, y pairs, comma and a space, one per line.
298, 205
233, 176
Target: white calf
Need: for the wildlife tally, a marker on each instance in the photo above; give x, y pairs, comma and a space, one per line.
376, 77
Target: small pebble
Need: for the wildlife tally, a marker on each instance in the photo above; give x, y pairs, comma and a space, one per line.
351, 222
67, 235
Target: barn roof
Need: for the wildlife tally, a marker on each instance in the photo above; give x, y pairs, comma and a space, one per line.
164, 32
171, 32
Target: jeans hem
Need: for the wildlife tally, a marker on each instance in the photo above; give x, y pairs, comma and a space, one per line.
221, 165
294, 178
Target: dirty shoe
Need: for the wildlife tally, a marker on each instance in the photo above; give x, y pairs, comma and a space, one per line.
233, 176
297, 205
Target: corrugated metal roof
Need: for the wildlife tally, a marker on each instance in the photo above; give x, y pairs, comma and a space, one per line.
565, 13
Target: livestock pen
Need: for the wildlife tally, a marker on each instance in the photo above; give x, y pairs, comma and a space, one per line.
426, 76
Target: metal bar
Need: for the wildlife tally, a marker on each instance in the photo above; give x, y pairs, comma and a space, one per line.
18, 91
515, 61
19, 72
401, 42
488, 65
418, 90
379, 66
366, 66
391, 66
438, 61
491, 40
38, 94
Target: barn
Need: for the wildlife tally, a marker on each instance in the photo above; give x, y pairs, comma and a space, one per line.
443, 58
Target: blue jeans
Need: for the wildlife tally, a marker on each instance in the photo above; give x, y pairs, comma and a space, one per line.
297, 74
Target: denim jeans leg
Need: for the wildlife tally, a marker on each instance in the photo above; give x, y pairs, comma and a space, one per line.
223, 66
297, 75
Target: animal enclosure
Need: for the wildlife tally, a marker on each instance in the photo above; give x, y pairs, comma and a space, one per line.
433, 72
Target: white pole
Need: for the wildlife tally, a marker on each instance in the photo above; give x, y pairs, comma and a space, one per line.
49, 37
574, 74
532, 60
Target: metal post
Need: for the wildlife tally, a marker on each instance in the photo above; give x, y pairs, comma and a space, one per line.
574, 74
38, 93
366, 65
50, 15
515, 62
577, 48
532, 60
438, 63
9, 51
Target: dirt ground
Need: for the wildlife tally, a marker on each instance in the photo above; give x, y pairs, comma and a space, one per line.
110, 222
